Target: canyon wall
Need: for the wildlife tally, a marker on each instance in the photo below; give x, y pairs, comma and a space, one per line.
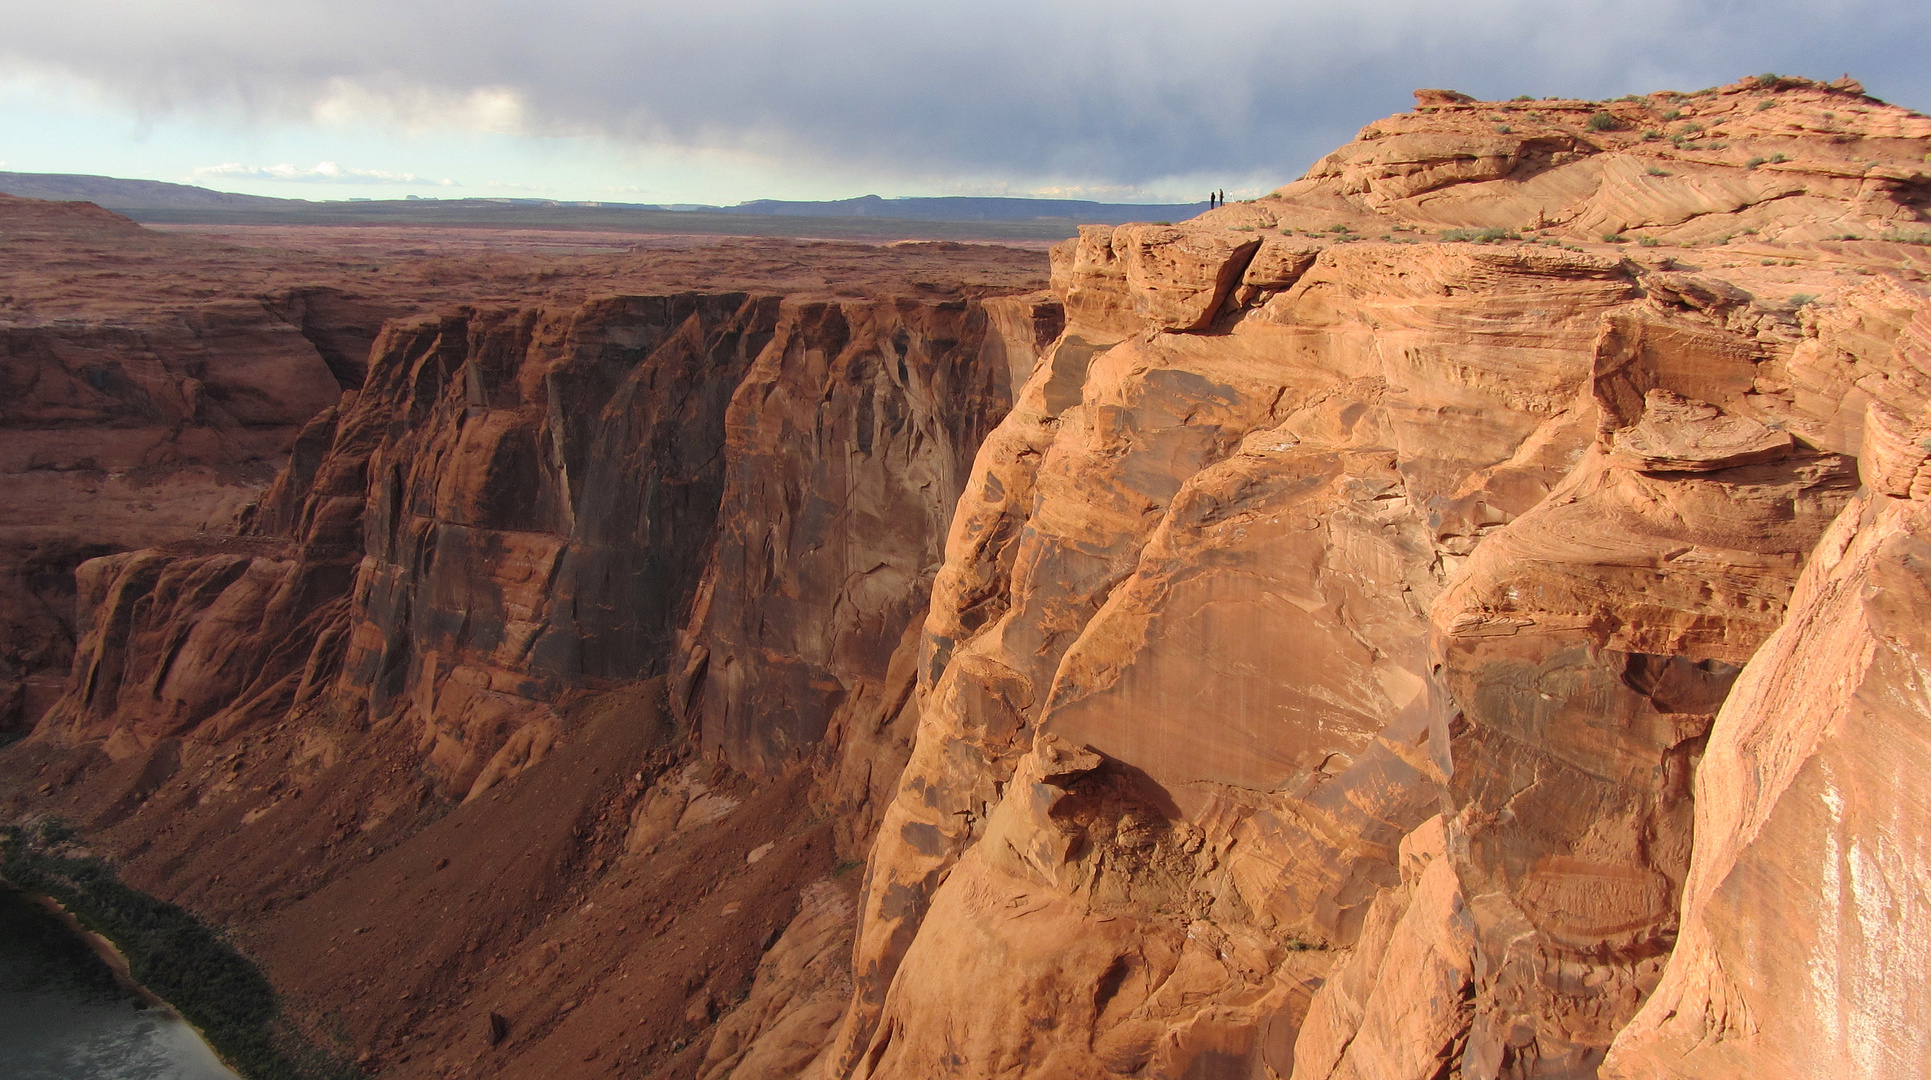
130, 423
1457, 615
1803, 911
519, 505
486, 578
156, 382
1327, 643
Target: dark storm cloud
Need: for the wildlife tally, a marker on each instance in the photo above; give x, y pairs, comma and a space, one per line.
1119, 91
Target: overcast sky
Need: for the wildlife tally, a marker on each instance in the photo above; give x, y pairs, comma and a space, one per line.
724, 100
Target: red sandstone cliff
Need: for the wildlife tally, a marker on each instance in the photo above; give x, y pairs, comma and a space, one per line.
1310, 643
1328, 642
466, 590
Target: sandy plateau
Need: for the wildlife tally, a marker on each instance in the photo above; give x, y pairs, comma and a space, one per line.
1463, 614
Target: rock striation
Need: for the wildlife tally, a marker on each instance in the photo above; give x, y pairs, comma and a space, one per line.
1329, 639
1457, 615
1803, 903
522, 517
156, 382
517, 505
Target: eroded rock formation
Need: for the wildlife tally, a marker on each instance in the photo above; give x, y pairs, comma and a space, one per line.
1328, 640
516, 526
1460, 614
155, 382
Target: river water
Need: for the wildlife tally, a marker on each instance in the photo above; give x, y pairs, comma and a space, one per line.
63, 1015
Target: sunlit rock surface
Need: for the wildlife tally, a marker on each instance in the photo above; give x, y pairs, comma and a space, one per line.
1459, 614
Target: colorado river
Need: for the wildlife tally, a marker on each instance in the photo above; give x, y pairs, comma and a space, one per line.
64, 1016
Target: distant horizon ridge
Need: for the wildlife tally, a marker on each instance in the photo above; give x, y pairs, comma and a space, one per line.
121, 193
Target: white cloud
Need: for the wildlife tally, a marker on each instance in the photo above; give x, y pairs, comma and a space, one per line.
324, 172
1089, 94
495, 110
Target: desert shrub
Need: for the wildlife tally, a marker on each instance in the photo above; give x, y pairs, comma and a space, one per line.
1649, 241
1654, 171
1602, 121
1673, 114
1503, 129
1614, 238
1753, 163
1765, 104
1899, 236
1798, 300
1477, 236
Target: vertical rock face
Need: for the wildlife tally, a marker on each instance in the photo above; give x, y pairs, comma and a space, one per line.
524, 517
1386, 629
1328, 640
518, 505
538, 523
1805, 902
848, 442
125, 433
1214, 569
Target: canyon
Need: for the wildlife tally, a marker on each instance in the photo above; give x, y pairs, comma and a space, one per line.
1462, 614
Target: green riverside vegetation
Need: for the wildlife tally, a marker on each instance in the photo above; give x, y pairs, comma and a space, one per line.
170, 952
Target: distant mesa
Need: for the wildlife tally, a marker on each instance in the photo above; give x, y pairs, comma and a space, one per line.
157, 202
118, 194
973, 208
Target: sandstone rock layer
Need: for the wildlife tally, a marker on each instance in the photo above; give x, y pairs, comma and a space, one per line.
1329, 641
1458, 615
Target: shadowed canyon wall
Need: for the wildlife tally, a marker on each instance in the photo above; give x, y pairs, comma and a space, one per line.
1458, 615
518, 505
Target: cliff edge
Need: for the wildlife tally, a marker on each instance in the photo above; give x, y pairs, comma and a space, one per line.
1368, 649
1460, 614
